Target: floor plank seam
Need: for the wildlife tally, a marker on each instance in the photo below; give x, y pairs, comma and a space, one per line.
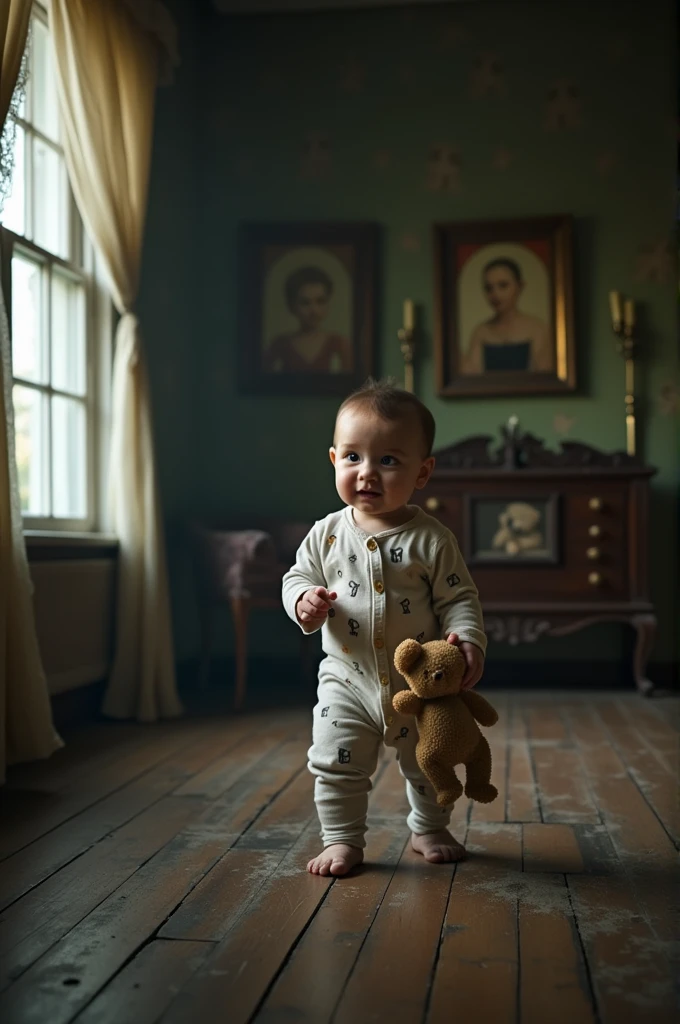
518, 978
291, 952
534, 772
631, 775
585, 773
127, 821
100, 799
438, 952
584, 955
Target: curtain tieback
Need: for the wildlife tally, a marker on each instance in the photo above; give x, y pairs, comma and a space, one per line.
128, 329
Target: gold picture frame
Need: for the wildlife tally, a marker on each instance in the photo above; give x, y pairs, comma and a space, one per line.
504, 319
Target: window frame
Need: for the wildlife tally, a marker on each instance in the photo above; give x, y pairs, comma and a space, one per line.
84, 267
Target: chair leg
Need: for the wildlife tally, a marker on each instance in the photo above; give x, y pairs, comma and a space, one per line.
240, 608
206, 617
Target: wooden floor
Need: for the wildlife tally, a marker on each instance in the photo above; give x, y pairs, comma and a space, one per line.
157, 874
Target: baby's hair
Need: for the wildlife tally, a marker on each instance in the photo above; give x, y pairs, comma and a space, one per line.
306, 275
511, 265
390, 402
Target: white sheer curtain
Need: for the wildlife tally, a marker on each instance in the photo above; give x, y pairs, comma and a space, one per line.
26, 730
109, 57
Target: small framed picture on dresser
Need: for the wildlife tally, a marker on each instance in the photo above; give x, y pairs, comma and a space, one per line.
522, 530
504, 307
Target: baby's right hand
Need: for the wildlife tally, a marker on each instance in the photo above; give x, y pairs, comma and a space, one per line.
314, 605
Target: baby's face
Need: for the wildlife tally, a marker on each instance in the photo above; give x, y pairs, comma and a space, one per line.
378, 463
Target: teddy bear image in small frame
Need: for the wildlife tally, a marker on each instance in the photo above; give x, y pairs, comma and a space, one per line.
522, 529
519, 529
448, 733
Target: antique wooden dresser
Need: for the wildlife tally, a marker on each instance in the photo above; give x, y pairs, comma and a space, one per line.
555, 540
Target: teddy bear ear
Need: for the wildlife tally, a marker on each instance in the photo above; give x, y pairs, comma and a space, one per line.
406, 655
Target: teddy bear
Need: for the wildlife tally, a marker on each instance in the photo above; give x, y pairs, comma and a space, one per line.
519, 529
447, 718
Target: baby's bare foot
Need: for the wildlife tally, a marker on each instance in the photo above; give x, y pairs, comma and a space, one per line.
338, 859
438, 847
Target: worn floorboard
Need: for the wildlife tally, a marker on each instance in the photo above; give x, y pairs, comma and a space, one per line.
156, 875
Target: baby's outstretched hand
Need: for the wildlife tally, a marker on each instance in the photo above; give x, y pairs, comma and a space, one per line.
474, 659
314, 605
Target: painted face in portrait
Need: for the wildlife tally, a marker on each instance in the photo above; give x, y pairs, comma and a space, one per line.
502, 287
310, 305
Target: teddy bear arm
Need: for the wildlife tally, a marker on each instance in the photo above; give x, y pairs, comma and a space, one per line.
407, 703
480, 708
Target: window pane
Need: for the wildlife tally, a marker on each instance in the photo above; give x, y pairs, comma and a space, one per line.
68, 334
30, 424
43, 83
29, 341
69, 458
50, 200
13, 214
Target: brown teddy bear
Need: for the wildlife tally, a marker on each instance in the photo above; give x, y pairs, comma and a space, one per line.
447, 731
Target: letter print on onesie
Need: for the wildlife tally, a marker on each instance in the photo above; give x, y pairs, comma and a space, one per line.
397, 554
406, 606
331, 613
421, 637
344, 756
353, 587
352, 558
356, 666
403, 733
453, 580
324, 712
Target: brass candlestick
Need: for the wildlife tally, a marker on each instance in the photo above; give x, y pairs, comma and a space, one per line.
623, 329
405, 335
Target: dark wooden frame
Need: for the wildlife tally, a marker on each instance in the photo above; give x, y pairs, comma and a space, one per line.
551, 502
558, 231
252, 237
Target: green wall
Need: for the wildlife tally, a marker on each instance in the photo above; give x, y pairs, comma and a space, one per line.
170, 282
384, 85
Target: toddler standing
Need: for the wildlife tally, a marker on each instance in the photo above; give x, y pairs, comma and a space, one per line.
371, 575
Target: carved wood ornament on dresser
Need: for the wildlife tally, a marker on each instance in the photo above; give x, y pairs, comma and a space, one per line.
556, 541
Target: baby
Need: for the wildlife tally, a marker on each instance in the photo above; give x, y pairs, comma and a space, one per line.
371, 575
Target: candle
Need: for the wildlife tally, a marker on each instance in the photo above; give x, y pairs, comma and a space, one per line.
629, 313
615, 306
409, 319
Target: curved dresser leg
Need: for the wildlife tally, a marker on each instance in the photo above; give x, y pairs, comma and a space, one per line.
645, 629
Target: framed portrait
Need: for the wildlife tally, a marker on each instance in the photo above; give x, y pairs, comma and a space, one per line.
504, 308
307, 318
519, 531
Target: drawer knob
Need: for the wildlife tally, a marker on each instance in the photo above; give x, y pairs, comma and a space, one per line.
595, 530
595, 579
595, 504
593, 554
433, 504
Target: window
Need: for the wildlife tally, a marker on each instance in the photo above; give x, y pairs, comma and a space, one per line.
50, 291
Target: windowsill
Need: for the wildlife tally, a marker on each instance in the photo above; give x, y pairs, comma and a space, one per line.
47, 545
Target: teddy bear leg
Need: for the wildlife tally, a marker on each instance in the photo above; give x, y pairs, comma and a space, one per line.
478, 774
442, 778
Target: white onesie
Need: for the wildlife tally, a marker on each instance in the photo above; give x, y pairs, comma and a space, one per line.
410, 581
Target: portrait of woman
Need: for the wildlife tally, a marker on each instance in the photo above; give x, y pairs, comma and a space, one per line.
311, 347
504, 317
306, 310
509, 339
